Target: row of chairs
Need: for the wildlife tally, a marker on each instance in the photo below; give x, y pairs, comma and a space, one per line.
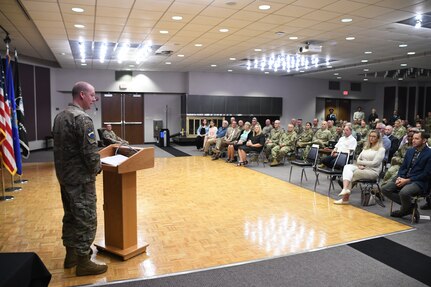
336, 171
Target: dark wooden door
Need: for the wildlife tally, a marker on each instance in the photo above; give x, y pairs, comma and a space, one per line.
341, 108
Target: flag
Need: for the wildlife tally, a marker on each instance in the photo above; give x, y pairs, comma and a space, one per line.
6, 127
22, 132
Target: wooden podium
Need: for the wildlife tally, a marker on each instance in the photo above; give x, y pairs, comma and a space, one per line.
119, 195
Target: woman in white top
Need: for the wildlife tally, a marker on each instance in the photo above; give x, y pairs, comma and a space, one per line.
212, 132
368, 165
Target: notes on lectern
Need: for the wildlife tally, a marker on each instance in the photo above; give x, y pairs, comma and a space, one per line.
114, 160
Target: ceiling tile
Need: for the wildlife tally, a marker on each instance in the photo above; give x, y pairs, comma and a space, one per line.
314, 4
112, 12
371, 11
344, 6
293, 11
320, 15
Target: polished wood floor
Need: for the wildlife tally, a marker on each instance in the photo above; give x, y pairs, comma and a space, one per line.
195, 213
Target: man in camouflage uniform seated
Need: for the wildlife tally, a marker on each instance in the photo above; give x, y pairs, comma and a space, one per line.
286, 145
428, 123
332, 128
109, 136
321, 138
363, 131
273, 139
399, 130
397, 159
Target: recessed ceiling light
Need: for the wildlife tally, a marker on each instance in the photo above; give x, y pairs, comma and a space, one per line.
213, 65
402, 45
80, 26
198, 45
350, 38
83, 64
229, 70
302, 71
400, 79
266, 72
164, 32
131, 66
232, 59
258, 50
329, 67
339, 78
411, 53
63, 53
177, 18
279, 33
224, 30
180, 55
77, 10
168, 63
368, 52
346, 20
293, 38
403, 65
336, 74
264, 7
365, 79
366, 70
364, 61
230, 3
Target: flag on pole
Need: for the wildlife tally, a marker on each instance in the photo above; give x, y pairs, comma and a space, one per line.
6, 127
13, 120
22, 132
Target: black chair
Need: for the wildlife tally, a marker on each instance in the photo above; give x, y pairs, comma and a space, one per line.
310, 161
257, 157
366, 186
335, 171
101, 142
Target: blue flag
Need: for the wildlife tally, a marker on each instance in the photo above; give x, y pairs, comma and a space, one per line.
11, 99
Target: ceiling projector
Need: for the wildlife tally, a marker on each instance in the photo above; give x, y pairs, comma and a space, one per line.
310, 48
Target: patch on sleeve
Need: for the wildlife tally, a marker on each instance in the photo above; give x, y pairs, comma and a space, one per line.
91, 137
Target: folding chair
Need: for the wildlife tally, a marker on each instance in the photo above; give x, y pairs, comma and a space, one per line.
310, 161
366, 186
256, 157
336, 170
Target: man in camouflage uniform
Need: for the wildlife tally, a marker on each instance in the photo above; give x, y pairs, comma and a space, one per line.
315, 126
299, 128
321, 137
273, 139
77, 163
304, 139
267, 128
110, 137
286, 145
338, 134
332, 128
399, 130
428, 123
397, 159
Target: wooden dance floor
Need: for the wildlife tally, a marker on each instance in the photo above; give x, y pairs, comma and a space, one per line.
194, 213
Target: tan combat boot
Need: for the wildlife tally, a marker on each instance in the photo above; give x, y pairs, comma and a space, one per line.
274, 162
88, 267
71, 259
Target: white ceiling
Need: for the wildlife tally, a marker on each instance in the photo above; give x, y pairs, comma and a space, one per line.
47, 33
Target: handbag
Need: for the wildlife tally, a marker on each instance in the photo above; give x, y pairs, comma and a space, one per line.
367, 197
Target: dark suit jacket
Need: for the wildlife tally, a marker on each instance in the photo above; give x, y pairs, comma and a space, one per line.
395, 144
421, 169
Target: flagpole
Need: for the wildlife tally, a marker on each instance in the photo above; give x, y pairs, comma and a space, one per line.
4, 197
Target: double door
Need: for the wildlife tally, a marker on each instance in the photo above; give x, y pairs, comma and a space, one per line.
125, 112
341, 108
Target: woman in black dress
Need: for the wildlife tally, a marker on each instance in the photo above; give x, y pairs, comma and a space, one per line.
255, 144
201, 132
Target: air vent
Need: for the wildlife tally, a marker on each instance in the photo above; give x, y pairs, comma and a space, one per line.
334, 85
164, 53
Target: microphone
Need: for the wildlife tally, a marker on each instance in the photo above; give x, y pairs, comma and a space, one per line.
124, 143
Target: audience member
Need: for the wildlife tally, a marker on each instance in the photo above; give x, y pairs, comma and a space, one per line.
267, 128
372, 118
245, 135
428, 123
385, 140
285, 146
110, 137
315, 126
305, 137
368, 165
255, 144
395, 142
273, 139
331, 116
231, 135
299, 128
210, 137
346, 143
241, 124
393, 118
201, 132
359, 115
399, 130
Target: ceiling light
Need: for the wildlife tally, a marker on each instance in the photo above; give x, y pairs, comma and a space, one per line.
366, 70
346, 20
411, 53
365, 79
400, 79
131, 66
418, 19
198, 45
77, 10
267, 72
368, 52
293, 38
177, 18
403, 65
229, 70
63, 53
180, 55
402, 45
83, 64
350, 38
264, 7
230, 3
232, 59
213, 65
168, 63
164, 32
302, 71
224, 30
279, 33
339, 78
336, 74
258, 50
364, 61
329, 67
80, 26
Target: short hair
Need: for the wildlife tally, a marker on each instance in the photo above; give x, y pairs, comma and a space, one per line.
424, 135
79, 87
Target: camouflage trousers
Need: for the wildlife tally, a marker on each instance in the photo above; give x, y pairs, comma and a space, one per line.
268, 148
390, 174
279, 153
80, 216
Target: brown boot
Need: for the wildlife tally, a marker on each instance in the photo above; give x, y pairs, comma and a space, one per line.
71, 259
88, 267
274, 162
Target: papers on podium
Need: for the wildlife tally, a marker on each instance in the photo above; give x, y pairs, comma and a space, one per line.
114, 160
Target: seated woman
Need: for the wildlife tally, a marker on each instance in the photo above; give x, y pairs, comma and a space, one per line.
211, 134
368, 165
201, 132
254, 144
243, 138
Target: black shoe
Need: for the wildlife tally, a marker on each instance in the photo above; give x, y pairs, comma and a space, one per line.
416, 216
426, 206
397, 213
340, 183
333, 177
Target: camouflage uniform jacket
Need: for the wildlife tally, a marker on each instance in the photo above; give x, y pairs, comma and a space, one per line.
111, 136
75, 147
322, 137
267, 130
306, 136
399, 132
288, 139
275, 135
428, 124
363, 131
299, 129
333, 131
399, 155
